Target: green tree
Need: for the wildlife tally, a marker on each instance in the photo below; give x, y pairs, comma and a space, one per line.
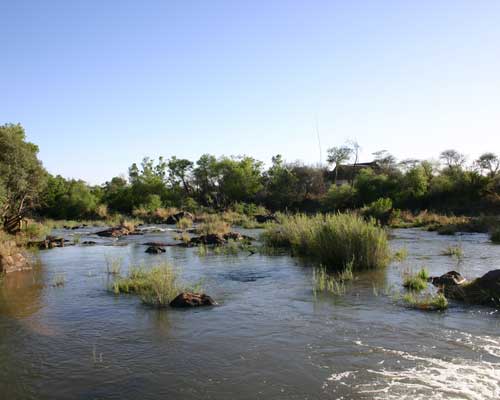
22, 174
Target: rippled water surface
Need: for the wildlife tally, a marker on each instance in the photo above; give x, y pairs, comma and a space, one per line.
270, 337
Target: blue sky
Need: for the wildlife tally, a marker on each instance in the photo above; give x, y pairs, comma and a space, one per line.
101, 84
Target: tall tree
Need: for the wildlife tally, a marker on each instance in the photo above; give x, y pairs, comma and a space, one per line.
489, 162
337, 156
22, 174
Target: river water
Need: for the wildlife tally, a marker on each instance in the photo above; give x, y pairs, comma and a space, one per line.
270, 337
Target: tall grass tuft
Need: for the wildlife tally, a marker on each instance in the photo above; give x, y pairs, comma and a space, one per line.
113, 265
157, 286
454, 251
418, 281
213, 224
334, 240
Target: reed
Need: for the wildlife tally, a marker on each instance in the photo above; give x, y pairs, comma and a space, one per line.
334, 240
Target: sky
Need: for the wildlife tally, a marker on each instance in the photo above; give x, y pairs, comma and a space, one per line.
99, 85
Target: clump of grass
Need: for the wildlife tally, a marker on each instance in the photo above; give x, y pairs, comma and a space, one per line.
400, 255
184, 223
157, 286
59, 280
325, 281
213, 224
454, 251
495, 236
427, 303
418, 281
77, 238
334, 240
184, 237
113, 265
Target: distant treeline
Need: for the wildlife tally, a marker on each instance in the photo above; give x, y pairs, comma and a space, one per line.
448, 185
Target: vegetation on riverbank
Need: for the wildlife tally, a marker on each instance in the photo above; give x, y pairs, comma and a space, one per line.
333, 240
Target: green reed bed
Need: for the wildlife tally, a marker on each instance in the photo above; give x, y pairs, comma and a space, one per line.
334, 240
156, 286
428, 302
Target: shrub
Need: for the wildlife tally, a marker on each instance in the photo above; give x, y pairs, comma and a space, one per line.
334, 240
380, 210
495, 236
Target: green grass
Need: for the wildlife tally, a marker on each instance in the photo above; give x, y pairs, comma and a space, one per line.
454, 251
418, 281
400, 255
334, 283
334, 240
427, 303
156, 286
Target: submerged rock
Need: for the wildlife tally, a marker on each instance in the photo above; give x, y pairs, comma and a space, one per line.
155, 250
186, 299
481, 291
89, 243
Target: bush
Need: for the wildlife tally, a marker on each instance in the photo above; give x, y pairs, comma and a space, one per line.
380, 210
213, 224
334, 240
495, 236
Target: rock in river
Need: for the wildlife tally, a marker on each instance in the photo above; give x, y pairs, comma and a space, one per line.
155, 250
482, 291
187, 299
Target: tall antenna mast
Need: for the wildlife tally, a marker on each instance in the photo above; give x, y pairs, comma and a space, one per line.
319, 142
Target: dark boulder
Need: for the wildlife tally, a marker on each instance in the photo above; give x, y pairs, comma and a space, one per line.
210, 239
262, 219
89, 243
450, 278
186, 299
155, 250
481, 291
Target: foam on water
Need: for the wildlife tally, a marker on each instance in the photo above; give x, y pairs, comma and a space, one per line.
429, 377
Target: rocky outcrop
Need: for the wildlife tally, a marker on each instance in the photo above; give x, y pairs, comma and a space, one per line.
12, 258
114, 232
173, 219
155, 250
482, 291
218, 239
49, 242
186, 300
